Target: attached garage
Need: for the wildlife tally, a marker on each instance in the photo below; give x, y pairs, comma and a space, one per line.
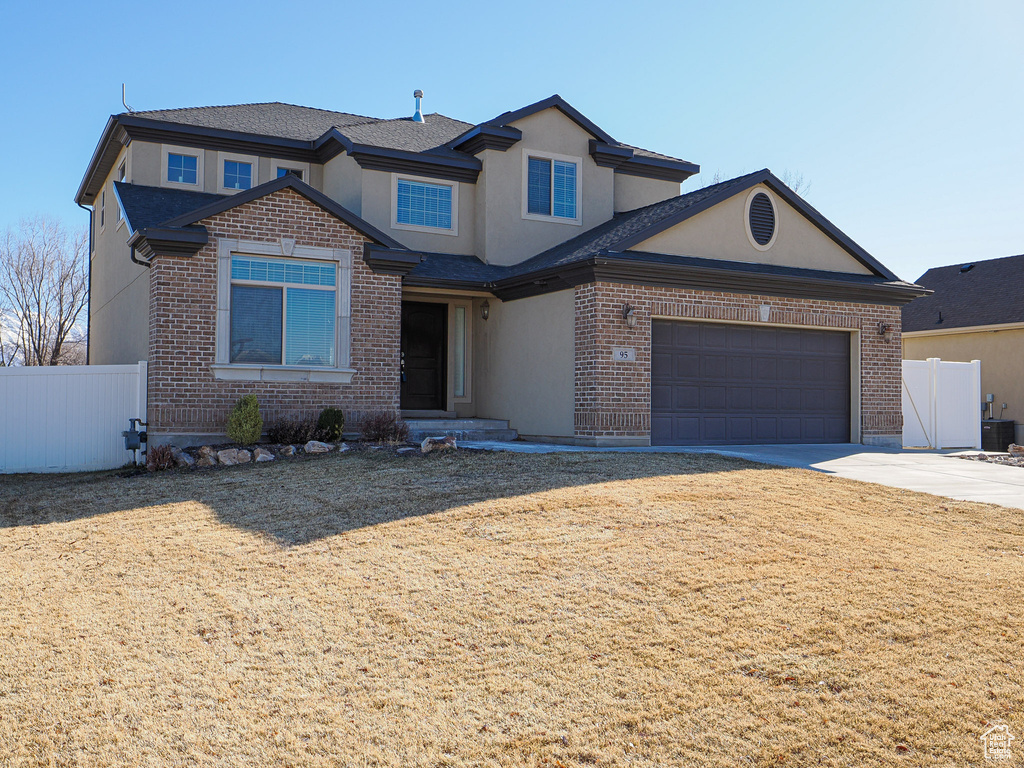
721, 383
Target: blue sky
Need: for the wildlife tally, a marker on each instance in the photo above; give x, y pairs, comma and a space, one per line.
905, 117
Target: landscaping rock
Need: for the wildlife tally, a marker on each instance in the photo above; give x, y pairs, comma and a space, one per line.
288, 450
228, 457
1016, 450
343, 447
262, 454
244, 457
206, 461
315, 446
181, 459
207, 451
437, 444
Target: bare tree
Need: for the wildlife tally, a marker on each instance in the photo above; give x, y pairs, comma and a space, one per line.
795, 181
8, 341
43, 291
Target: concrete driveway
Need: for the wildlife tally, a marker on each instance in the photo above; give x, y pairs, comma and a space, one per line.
933, 472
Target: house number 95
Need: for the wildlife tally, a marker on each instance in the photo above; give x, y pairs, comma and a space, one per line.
623, 354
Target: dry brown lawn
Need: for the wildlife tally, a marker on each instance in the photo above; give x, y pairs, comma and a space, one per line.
503, 610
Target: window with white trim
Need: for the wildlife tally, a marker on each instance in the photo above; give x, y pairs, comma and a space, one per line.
551, 187
283, 311
182, 169
237, 174
422, 204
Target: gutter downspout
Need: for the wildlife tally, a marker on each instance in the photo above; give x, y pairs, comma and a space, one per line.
145, 264
88, 316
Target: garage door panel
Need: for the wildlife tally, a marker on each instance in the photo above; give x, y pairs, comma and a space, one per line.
740, 398
741, 366
686, 366
685, 398
686, 335
713, 398
718, 383
715, 367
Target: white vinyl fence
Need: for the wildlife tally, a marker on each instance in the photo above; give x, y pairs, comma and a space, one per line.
941, 404
68, 418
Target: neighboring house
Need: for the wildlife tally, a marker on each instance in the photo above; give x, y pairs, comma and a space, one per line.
530, 268
975, 313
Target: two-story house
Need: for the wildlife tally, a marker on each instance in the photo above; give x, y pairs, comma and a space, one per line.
529, 269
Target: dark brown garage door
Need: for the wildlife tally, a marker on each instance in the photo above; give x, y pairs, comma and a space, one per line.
718, 384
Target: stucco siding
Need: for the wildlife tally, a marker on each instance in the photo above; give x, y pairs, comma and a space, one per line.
509, 238
635, 191
119, 294
524, 364
721, 233
378, 209
343, 182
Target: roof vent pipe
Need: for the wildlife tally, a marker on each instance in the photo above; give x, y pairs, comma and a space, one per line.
418, 115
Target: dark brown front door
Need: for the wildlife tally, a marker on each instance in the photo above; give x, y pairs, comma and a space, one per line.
424, 343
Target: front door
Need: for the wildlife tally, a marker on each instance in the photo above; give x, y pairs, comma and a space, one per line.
424, 344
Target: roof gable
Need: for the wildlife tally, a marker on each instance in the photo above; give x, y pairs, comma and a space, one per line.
553, 102
722, 232
275, 185
969, 294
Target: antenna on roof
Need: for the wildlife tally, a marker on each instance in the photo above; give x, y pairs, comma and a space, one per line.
418, 115
123, 99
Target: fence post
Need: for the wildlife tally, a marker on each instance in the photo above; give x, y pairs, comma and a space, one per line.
933, 396
976, 391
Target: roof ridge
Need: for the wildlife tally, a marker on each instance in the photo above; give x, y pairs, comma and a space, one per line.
368, 118
975, 262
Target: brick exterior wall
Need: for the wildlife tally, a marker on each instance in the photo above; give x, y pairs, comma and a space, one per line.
613, 400
185, 398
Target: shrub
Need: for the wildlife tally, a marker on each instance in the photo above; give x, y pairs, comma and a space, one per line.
295, 431
245, 425
159, 457
331, 423
384, 427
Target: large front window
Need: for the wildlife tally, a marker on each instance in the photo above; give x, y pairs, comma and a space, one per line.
283, 311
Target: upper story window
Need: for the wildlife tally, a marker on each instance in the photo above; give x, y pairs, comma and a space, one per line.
282, 171
182, 169
283, 311
121, 173
425, 206
551, 187
237, 175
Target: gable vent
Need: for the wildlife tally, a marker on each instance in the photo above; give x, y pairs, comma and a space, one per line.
762, 219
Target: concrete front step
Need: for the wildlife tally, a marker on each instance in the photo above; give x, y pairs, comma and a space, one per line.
461, 429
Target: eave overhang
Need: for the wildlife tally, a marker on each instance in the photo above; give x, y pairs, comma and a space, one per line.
481, 137
390, 261
633, 270
168, 241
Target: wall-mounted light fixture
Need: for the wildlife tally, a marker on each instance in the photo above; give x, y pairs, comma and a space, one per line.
629, 315
885, 331
485, 310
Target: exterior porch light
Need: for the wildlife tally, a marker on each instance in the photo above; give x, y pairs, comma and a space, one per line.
629, 315
885, 331
485, 310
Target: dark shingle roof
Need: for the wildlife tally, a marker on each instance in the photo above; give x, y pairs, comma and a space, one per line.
286, 121
152, 206
290, 121
989, 293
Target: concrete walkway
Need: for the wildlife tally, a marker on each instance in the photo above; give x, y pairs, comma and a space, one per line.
933, 472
